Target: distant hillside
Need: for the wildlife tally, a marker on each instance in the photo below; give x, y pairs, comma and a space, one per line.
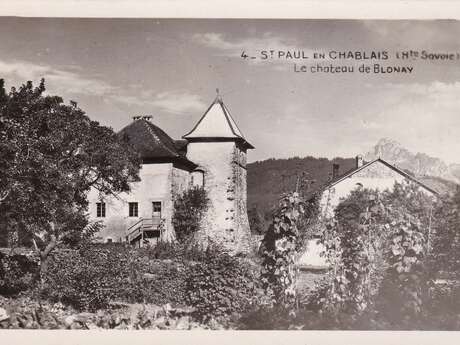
270, 178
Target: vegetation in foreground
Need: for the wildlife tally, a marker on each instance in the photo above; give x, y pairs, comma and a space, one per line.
394, 265
393, 255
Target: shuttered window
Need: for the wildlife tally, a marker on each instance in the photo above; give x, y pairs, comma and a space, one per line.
100, 209
133, 209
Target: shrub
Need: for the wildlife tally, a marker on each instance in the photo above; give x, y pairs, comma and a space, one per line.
188, 211
158, 282
18, 273
92, 277
89, 278
174, 251
220, 285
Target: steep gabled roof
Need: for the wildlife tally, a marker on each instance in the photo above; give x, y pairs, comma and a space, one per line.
152, 143
394, 168
217, 123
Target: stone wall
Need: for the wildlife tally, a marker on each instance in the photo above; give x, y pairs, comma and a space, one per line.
225, 222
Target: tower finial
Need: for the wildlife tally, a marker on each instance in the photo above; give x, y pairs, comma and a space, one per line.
218, 96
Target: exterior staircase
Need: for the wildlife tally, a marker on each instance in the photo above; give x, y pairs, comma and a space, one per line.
145, 231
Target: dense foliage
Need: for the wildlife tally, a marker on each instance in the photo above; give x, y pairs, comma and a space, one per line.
213, 283
378, 245
17, 273
294, 223
189, 208
354, 238
89, 278
221, 285
51, 154
96, 275
279, 251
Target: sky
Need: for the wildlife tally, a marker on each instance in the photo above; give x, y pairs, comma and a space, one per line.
170, 69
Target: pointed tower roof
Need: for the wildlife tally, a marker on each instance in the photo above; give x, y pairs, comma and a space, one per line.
217, 125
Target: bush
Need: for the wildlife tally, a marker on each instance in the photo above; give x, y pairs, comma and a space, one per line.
188, 211
221, 285
18, 273
156, 281
214, 283
89, 278
94, 276
174, 251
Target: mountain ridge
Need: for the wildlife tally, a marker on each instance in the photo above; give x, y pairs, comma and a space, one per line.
420, 164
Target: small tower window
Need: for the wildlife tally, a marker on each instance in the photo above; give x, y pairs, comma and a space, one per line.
133, 209
198, 178
100, 209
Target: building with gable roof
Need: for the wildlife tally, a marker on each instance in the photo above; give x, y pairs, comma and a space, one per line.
376, 174
211, 155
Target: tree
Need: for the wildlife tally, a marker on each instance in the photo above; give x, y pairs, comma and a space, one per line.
257, 222
51, 154
377, 244
445, 256
189, 208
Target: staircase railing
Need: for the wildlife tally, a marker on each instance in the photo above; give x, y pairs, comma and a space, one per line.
144, 224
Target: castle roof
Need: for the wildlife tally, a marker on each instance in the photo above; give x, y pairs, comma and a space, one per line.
153, 144
217, 124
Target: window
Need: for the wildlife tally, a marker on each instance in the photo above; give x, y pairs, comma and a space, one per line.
156, 209
198, 178
109, 240
133, 209
100, 209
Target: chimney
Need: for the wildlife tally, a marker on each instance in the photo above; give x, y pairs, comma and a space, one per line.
359, 161
143, 117
335, 170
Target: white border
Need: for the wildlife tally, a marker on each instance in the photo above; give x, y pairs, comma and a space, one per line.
347, 9
288, 9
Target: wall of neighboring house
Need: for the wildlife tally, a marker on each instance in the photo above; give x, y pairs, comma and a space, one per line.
155, 185
225, 221
375, 176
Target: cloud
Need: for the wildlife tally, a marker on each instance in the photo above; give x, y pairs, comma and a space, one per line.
70, 80
175, 102
56, 79
178, 102
424, 117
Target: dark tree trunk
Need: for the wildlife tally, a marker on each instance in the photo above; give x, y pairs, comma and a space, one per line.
43, 266
44, 256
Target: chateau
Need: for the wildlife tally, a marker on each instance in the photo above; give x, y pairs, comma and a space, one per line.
211, 155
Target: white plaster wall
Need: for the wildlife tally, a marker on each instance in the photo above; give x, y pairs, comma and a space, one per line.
181, 180
155, 185
341, 190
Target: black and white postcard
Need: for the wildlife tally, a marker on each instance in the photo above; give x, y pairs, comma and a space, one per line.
167, 173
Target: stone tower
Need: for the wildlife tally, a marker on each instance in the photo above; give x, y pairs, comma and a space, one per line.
218, 147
